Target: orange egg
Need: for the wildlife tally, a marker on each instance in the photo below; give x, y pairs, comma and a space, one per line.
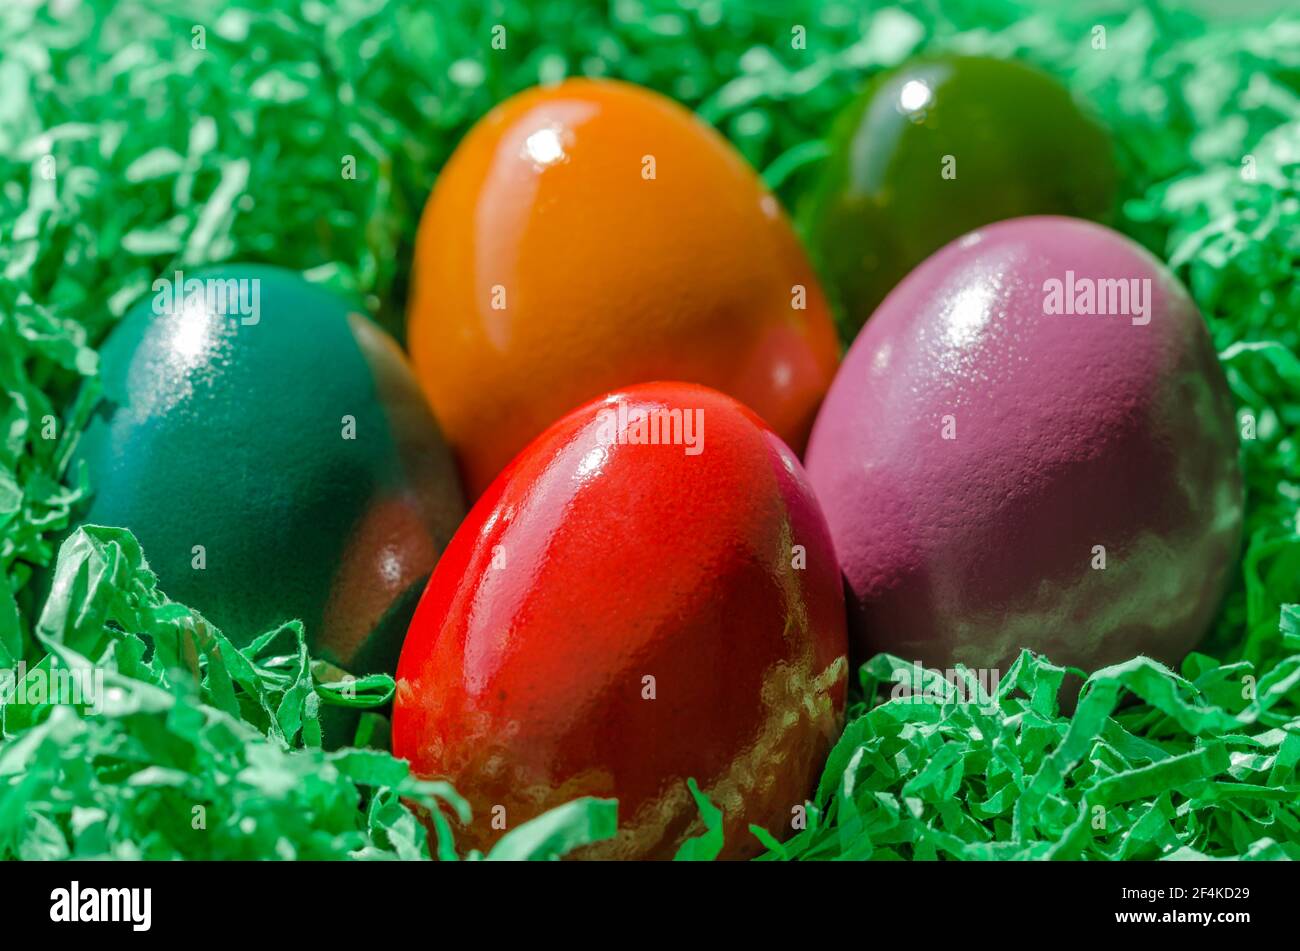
593, 235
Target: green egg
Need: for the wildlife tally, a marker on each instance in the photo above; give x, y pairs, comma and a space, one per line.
939, 147
268, 446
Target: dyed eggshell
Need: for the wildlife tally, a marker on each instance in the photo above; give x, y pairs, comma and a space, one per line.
977, 457
937, 148
593, 235
229, 435
591, 565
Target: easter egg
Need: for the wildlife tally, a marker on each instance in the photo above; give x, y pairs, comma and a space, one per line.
937, 148
593, 235
1031, 445
647, 594
268, 446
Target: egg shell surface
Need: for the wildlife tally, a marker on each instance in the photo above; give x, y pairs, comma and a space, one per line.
997, 477
274, 465
593, 235
938, 147
615, 618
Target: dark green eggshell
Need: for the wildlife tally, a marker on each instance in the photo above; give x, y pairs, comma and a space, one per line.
1019, 145
229, 435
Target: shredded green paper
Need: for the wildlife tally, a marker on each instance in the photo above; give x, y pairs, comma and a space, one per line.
138, 136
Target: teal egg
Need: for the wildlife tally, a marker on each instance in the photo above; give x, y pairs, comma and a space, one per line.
268, 446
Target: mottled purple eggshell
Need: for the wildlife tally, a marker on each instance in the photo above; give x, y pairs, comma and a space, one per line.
979, 458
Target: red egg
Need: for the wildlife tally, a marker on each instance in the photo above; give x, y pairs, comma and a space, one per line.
648, 593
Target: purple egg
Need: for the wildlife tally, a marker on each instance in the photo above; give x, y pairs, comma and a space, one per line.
1031, 445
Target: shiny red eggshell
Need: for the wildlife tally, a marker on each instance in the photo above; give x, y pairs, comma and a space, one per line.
589, 566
